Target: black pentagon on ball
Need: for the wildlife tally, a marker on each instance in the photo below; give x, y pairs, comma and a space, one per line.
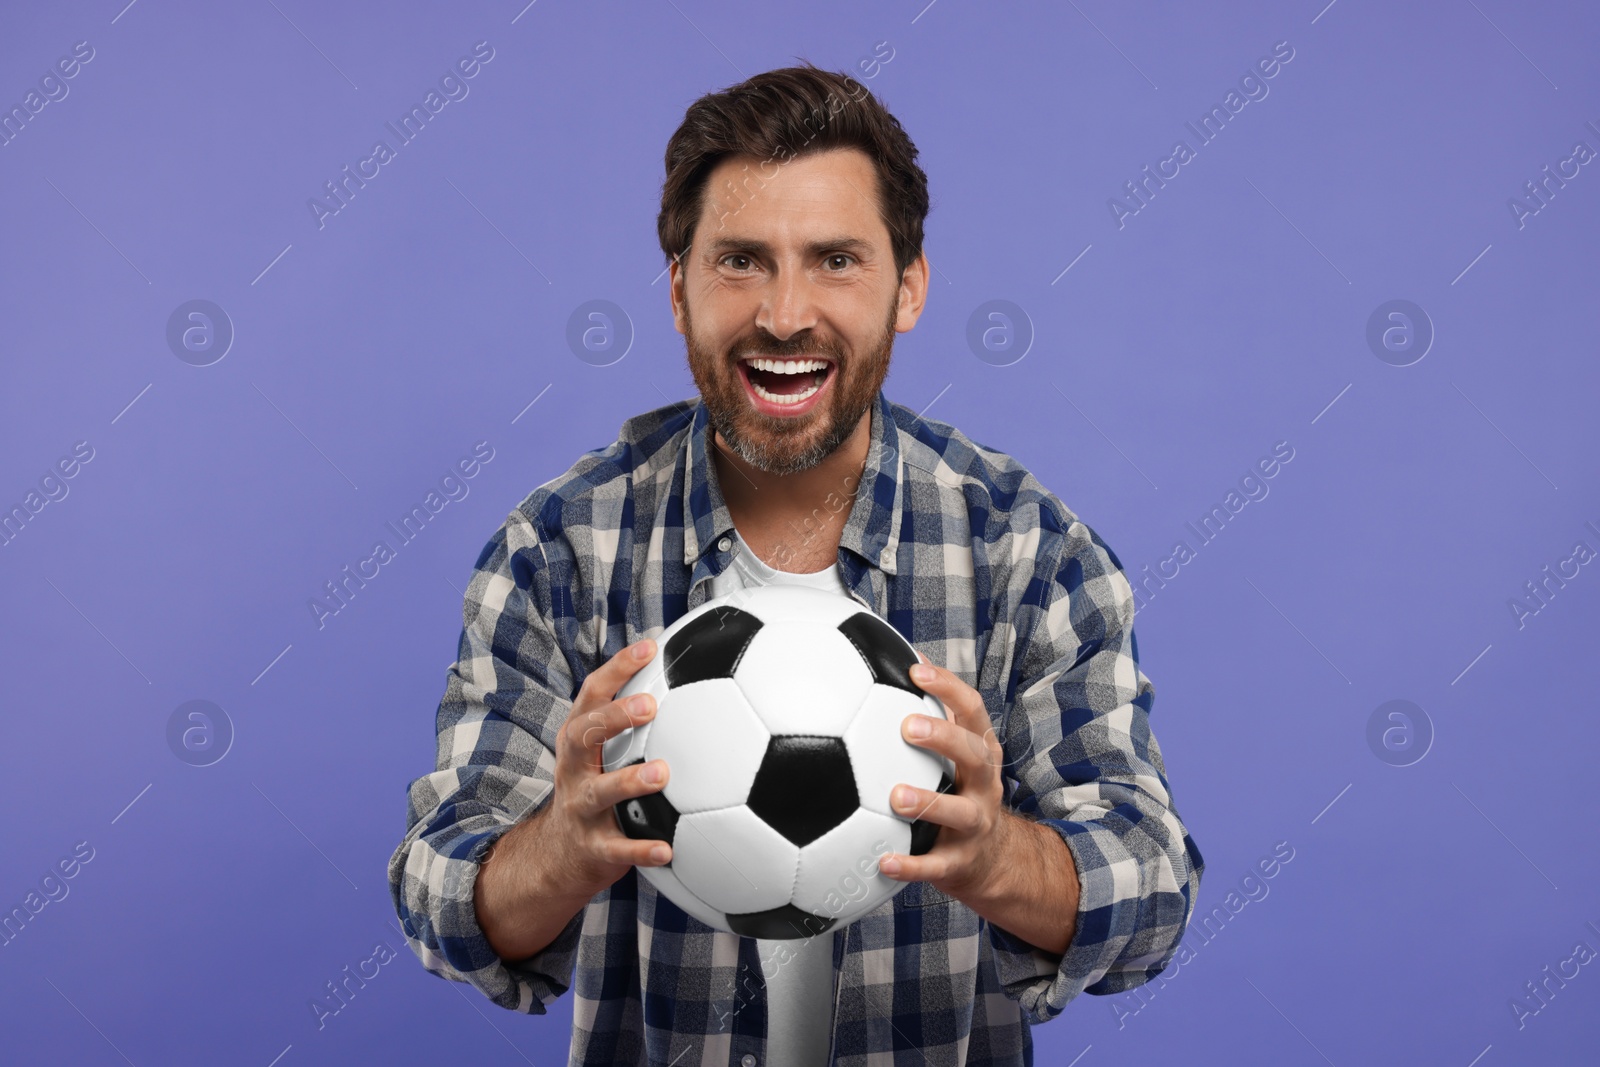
710, 646
647, 818
778, 924
804, 787
888, 656
924, 833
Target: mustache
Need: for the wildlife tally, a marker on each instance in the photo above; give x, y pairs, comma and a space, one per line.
768, 345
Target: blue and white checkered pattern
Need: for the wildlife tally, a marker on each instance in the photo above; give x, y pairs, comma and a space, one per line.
965, 553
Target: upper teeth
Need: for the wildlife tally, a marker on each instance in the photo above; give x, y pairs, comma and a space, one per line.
788, 366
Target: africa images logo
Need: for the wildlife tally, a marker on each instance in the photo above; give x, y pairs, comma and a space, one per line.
452, 84
1252, 87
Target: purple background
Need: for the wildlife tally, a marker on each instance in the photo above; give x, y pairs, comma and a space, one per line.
370, 354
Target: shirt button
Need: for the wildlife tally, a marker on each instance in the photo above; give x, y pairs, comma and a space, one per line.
725, 544
747, 1060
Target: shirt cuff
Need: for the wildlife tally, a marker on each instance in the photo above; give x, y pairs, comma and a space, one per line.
441, 925
1113, 921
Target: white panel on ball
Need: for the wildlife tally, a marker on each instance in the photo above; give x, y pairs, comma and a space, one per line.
733, 861
881, 757
830, 881
803, 678
712, 741
795, 603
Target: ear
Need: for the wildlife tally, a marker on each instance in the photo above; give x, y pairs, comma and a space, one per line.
913, 294
675, 294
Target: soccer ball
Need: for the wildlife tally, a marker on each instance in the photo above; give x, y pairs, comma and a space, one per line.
778, 714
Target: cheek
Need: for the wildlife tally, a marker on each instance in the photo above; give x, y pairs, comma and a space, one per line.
714, 331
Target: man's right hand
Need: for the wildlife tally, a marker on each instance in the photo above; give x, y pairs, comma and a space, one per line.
541, 873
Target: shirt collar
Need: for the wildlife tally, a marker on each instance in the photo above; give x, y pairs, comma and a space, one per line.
873, 529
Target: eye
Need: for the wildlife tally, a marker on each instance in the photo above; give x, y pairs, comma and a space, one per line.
848, 259
738, 256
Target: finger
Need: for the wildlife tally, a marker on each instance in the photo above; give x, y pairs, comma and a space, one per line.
970, 753
588, 731
602, 683
961, 702
946, 809
604, 791
623, 849
929, 867
964, 706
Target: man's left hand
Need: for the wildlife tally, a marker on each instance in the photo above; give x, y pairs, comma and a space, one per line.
976, 831
1016, 873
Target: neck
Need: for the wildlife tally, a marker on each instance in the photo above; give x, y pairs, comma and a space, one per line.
759, 500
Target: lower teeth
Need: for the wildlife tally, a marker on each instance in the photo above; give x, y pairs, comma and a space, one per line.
775, 398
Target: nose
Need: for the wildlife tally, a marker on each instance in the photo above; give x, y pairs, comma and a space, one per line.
789, 305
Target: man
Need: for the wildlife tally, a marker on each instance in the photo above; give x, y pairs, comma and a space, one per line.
792, 218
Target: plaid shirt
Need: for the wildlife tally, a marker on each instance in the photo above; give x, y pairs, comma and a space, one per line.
969, 557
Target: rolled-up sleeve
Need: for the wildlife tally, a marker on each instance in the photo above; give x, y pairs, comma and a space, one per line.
1081, 759
505, 696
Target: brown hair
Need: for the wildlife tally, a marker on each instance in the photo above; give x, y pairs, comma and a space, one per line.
782, 115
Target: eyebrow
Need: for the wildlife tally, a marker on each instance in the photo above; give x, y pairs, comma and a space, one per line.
724, 245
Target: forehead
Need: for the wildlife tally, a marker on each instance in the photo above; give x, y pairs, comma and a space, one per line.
835, 191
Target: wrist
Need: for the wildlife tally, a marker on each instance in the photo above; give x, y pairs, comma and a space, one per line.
997, 873
544, 867
516, 898
1034, 892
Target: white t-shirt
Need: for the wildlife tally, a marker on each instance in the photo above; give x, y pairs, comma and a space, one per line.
800, 982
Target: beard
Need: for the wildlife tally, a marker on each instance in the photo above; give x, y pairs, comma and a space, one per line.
786, 445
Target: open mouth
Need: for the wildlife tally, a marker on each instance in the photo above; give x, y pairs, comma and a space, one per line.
786, 382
